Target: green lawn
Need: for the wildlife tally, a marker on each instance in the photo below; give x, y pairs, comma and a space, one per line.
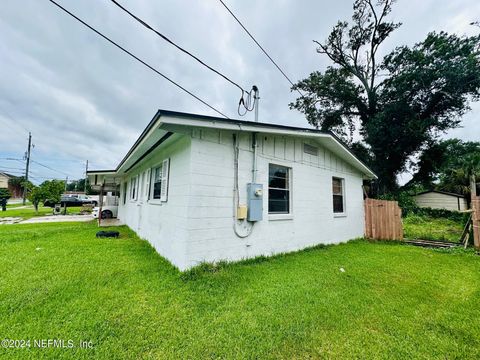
29, 212
393, 301
11, 206
427, 228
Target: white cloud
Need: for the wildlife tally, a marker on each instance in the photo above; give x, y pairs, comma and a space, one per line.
84, 99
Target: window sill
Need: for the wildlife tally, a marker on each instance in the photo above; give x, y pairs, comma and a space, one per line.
339, 215
155, 202
279, 217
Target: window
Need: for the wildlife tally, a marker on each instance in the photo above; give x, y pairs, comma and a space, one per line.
124, 193
278, 189
133, 188
338, 195
159, 181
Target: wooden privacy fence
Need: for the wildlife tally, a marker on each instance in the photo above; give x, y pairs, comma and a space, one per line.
383, 220
476, 220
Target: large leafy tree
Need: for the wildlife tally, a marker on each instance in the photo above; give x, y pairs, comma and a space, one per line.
400, 103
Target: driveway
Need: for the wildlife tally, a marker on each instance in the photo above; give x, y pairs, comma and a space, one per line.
57, 218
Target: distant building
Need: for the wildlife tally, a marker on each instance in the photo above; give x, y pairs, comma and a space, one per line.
16, 190
441, 200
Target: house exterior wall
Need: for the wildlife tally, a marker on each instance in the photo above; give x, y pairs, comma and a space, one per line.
436, 200
164, 225
196, 223
210, 212
3, 181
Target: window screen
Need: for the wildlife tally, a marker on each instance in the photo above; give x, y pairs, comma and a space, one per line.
133, 188
278, 189
157, 182
337, 191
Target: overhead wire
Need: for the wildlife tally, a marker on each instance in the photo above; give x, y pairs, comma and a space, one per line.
137, 58
245, 99
260, 46
164, 37
48, 167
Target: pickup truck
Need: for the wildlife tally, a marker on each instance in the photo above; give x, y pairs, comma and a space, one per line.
72, 200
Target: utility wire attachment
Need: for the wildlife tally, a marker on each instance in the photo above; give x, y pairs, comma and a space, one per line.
245, 99
260, 46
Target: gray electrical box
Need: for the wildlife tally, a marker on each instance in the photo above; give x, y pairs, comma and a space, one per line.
255, 202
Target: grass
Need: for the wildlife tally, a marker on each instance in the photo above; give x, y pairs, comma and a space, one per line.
393, 301
29, 212
427, 228
11, 206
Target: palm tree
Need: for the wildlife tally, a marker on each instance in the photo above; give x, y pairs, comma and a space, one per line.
460, 178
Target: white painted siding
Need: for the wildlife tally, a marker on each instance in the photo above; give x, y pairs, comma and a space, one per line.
436, 200
210, 213
196, 224
163, 225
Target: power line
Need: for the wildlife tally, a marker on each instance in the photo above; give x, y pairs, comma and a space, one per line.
48, 167
12, 159
145, 24
11, 168
260, 46
137, 58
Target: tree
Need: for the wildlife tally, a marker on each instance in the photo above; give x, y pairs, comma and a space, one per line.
48, 190
20, 182
4, 196
400, 103
35, 196
438, 159
458, 178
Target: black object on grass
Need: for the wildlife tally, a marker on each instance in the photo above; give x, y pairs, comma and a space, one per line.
105, 234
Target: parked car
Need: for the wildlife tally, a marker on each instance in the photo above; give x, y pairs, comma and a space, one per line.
72, 200
108, 211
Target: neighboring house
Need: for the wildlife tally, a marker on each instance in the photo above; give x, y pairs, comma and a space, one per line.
16, 191
185, 187
441, 200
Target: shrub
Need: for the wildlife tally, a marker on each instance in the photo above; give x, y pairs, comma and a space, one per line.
405, 201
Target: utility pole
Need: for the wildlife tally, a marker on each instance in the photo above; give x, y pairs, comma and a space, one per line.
86, 178
473, 186
66, 181
27, 168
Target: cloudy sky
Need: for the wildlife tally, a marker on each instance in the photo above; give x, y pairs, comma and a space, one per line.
84, 99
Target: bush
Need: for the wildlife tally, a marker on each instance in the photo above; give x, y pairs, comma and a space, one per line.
405, 201
442, 213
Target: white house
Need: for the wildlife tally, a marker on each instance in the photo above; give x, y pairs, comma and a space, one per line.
441, 200
204, 189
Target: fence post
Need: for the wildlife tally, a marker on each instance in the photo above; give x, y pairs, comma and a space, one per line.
476, 221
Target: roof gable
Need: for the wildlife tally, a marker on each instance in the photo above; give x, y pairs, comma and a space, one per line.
164, 123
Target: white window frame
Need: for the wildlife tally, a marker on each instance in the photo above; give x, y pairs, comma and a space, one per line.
281, 216
164, 177
146, 193
133, 180
344, 198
